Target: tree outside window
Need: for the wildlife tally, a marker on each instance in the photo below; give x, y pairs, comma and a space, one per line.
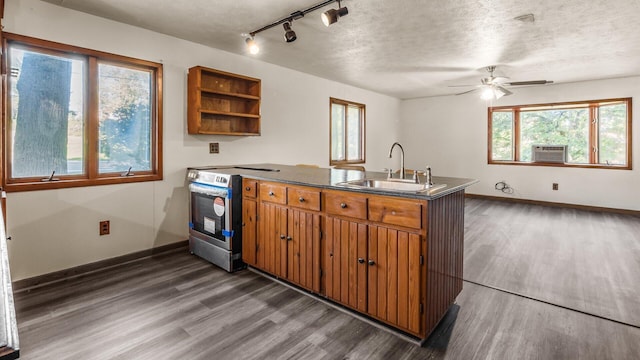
79, 117
595, 133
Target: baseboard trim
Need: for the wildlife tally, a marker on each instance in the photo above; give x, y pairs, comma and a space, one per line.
62, 275
555, 204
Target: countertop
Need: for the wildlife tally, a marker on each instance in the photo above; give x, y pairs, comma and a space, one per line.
330, 178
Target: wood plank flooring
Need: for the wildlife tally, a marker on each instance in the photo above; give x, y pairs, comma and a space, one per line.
177, 306
580, 259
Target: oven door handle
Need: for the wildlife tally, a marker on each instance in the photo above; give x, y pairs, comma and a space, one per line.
208, 190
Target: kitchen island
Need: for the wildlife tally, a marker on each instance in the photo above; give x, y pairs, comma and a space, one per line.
393, 256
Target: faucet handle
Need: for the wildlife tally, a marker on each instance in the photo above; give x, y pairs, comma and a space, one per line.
428, 180
389, 172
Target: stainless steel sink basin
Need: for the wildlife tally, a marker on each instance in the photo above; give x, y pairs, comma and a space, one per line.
393, 185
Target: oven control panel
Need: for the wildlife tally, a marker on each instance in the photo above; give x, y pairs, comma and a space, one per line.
209, 178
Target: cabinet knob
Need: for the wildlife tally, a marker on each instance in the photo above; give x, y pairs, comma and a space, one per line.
343, 205
361, 260
301, 199
248, 188
371, 262
281, 237
289, 238
271, 193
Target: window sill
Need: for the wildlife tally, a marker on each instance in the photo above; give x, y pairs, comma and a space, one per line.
72, 183
565, 165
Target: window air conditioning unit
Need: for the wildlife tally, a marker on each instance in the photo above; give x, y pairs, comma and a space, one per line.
549, 153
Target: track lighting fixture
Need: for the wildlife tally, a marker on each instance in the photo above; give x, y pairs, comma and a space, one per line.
328, 17
289, 34
252, 46
331, 16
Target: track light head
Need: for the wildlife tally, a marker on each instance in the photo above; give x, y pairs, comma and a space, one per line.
289, 34
252, 45
331, 16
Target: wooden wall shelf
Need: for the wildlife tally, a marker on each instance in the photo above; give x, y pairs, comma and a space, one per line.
222, 103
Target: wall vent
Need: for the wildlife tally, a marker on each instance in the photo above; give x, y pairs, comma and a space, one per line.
549, 153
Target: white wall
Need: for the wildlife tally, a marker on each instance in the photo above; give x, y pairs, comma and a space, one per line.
450, 134
58, 229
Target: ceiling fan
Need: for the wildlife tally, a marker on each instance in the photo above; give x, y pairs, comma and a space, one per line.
494, 87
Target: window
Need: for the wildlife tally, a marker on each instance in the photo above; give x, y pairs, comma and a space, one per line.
347, 132
79, 117
597, 134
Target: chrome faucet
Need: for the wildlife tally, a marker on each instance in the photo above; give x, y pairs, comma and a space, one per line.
402, 175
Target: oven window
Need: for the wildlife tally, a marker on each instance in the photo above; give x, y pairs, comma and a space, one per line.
208, 214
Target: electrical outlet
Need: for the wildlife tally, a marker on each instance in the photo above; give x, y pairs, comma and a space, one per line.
104, 227
555, 186
214, 148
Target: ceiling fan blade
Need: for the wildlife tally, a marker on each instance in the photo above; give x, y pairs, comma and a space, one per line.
498, 79
506, 92
531, 82
463, 85
466, 92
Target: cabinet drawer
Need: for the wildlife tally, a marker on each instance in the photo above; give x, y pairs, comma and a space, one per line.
249, 188
304, 198
345, 204
273, 192
396, 211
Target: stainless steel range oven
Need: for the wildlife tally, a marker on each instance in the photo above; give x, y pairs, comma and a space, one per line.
215, 217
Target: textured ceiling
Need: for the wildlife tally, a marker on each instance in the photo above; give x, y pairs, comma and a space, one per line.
409, 48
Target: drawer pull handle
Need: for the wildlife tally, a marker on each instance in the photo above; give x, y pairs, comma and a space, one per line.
301, 199
281, 237
371, 262
361, 260
248, 188
271, 193
343, 205
289, 238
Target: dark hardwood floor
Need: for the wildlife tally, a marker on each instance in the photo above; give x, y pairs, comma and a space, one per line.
177, 306
584, 260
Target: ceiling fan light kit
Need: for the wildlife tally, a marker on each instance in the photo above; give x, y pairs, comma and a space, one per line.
493, 87
328, 17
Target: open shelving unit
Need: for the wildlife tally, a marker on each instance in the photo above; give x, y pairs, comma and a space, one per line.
222, 103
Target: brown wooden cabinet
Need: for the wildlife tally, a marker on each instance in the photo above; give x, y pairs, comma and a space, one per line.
272, 235
374, 252
372, 267
394, 277
222, 103
288, 237
345, 255
249, 222
303, 249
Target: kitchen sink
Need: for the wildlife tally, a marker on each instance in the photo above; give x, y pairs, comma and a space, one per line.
392, 185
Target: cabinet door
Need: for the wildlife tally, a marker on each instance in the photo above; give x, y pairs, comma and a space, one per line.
249, 245
303, 249
272, 243
345, 257
394, 277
